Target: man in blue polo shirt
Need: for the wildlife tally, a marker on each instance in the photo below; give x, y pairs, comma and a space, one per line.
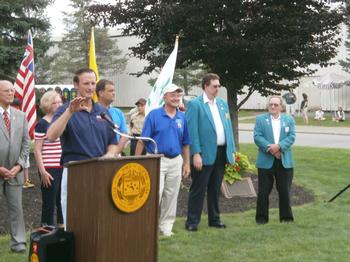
105, 91
84, 134
168, 127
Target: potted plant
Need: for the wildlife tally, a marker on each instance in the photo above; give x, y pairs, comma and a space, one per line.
233, 173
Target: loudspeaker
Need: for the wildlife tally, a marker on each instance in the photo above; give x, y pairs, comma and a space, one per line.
50, 244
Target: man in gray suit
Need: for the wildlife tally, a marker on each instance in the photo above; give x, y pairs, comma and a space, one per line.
14, 150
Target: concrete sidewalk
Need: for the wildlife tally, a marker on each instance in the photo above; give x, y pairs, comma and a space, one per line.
306, 129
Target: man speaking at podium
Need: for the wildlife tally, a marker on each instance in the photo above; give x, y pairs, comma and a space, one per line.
84, 134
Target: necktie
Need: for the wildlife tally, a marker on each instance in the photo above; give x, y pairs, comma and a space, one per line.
7, 121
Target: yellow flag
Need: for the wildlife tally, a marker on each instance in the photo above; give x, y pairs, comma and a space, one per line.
92, 59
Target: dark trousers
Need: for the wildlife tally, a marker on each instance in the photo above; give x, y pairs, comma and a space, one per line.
51, 197
208, 180
133, 143
266, 177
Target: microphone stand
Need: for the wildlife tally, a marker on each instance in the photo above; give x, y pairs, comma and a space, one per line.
138, 138
339, 193
115, 130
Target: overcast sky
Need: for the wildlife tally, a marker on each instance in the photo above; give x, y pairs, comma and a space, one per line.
55, 14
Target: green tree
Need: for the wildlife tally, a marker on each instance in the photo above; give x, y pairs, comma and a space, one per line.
187, 77
73, 50
345, 63
254, 44
16, 18
190, 76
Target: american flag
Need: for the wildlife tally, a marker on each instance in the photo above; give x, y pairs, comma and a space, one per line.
24, 85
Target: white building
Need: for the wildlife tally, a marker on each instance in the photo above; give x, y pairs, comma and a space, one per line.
130, 88
328, 99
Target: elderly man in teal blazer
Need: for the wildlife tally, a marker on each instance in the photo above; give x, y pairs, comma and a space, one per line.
211, 133
274, 134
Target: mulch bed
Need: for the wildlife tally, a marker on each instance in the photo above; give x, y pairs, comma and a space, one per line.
239, 204
32, 201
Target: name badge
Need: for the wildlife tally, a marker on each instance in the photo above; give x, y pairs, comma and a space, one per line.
286, 129
179, 123
227, 115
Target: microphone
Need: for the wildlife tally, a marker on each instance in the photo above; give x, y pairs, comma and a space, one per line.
109, 120
115, 130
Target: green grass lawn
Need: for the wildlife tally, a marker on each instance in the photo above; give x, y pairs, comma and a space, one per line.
321, 230
248, 113
327, 122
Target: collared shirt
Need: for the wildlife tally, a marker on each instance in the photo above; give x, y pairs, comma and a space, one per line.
276, 128
220, 132
119, 119
136, 123
170, 134
86, 135
2, 110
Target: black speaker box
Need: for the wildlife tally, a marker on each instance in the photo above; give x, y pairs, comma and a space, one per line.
50, 244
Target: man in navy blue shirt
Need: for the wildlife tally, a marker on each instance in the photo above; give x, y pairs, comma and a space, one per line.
84, 134
168, 127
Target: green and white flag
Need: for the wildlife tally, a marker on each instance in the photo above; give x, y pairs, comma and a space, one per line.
165, 79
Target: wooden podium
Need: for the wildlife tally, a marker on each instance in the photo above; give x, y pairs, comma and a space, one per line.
104, 233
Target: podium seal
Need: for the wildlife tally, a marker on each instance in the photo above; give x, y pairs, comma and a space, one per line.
131, 186
34, 258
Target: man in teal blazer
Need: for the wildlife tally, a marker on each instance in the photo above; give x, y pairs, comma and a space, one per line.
274, 134
211, 133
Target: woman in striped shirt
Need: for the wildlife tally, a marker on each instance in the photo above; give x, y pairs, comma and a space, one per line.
48, 156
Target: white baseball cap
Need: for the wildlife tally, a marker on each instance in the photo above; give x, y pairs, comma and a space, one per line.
172, 88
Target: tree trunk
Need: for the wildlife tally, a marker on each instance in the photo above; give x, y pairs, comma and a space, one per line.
87, 37
233, 107
185, 84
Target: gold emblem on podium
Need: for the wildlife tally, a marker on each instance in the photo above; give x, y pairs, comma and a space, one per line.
131, 186
34, 258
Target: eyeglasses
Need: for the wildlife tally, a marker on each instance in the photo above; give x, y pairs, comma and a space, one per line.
274, 105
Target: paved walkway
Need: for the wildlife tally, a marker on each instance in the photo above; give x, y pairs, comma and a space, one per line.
306, 129
315, 136
303, 128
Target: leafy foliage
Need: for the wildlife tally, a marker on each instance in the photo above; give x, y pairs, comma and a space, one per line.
73, 50
345, 63
190, 76
256, 44
16, 18
187, 77
233, 172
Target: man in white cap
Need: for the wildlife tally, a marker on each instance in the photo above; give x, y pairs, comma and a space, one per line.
168, 127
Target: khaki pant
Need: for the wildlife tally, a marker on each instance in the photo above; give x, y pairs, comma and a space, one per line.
169, 185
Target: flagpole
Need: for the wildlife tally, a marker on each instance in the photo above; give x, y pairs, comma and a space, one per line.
92, 59
25, 85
